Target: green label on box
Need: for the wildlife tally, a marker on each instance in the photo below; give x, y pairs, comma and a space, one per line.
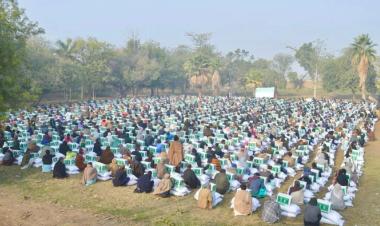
121, 162
197, 171
178, 182
190, 158
283, 199
324, 206
258, 161
213, 187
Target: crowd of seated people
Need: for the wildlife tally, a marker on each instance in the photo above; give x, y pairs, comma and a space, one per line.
172, 145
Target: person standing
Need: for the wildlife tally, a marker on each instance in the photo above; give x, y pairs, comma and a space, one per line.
176, 153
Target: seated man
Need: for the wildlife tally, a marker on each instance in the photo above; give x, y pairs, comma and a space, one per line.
312, 215
79, 160
47, 160
8, 158
89, 175
297, 193
242, 201
341, 178
120, 178
27, 161
198, 159
288, 157
160, 147
106, 156
138, 169
205, 198
216, 162
164, 186
256, 184
59, 170
161, 169
137, 153
222, 183
267, 172
46, 139
113, 167
191, 180
305, 177
144, 183
337, 198
64, 148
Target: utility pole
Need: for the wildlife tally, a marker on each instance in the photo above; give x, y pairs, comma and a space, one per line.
315, 80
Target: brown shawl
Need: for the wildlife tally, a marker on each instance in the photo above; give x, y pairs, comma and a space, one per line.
106, 157
113, 167
175, 153
79, 162
205, 199
161, 170
164, 185
243, 202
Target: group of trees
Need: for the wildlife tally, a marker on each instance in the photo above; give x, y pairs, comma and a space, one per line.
32, 67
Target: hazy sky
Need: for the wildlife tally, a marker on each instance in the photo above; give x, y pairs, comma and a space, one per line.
263, 27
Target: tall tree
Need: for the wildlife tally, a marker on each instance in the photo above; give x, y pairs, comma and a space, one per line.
309, 56
363, 55
282, 64
204, 61
66, 50
15, 29
41, 66
94, 57
296, 79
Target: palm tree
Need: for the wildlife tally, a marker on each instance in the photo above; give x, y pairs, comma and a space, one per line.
363, 54
198, 69
215, 83
66, 48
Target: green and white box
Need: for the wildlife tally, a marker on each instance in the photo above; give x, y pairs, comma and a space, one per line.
324, 206
283, 199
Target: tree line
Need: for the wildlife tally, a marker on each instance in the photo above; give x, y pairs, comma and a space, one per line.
32, 67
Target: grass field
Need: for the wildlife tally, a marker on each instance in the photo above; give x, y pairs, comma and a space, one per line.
123, 207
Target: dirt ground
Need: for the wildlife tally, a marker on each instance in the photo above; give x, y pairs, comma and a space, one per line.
23, 211
29, 197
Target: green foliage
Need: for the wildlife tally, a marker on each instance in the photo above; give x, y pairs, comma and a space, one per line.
282, 64
363, 46
339, 74
296, 80
309, 56
203, 60
15, 29
371, 80
262, 73
40, 65
31, 67
306, 57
